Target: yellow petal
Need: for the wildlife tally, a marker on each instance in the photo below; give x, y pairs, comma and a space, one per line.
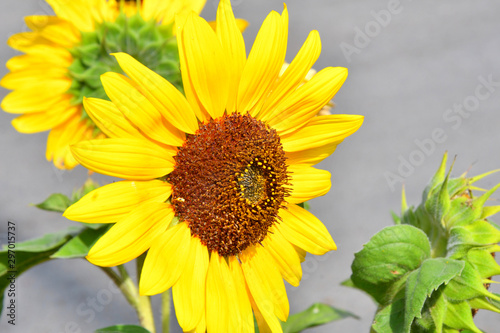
243, 319
162, 94
110, 120
45, 120
301, 252
78, 12
220, 295
36, 98
203, 61
138, 110
311, 156
124, 158
60, 137
166, 260
240, 23
303, 229
26, 41
259, 318
305, 102
131, 236
54, 29
189, 91
322, 131
112, 202
308, 183
35, 76
266, 285
189, 291
36, 60
164, 11
264, 62
285, 257
294, 74
233, 46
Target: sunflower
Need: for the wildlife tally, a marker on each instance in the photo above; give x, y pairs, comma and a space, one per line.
65, 55
214, 178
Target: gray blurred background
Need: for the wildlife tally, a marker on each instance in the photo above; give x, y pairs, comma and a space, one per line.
412, 66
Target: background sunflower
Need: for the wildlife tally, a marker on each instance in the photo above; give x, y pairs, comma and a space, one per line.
427, 58
64, 55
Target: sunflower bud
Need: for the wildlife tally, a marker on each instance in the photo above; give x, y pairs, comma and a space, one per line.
431, 272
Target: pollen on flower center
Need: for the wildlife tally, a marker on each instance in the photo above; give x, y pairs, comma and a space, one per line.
229, 182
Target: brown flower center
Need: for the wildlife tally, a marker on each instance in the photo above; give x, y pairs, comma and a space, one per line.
229, 182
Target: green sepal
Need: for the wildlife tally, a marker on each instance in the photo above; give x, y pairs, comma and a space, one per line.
461, 213
489, 211
305, 205
79, 246
465, 286
87, 187
436, 306
423, 281
479, 233
58, 202
149, 42
459, 316
485, 304
395, 218
123, 329
437, 179
317, 314
484, 263
438, 204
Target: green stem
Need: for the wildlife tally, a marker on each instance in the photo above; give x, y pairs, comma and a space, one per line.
165, 311
126, 286
141, 304
144, 310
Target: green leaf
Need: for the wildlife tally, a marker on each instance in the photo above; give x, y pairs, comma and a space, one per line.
317, 314
390, 319
348, 283
423, 281
47, 241
25, 255
56, 202
79, 246
123, 329
387, 257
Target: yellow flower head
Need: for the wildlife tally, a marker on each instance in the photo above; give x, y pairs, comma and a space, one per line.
213, 178
65, 55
